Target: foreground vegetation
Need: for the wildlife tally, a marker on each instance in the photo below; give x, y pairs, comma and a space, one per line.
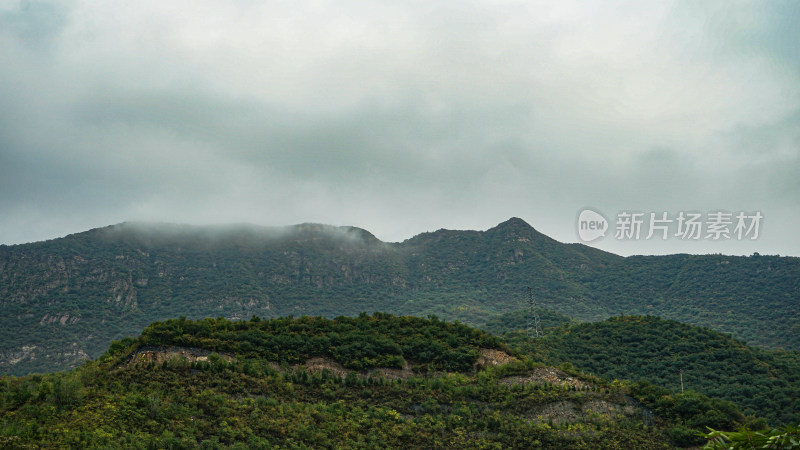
745, 439
248, 387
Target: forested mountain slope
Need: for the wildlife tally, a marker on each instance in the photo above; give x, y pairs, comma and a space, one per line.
62, 301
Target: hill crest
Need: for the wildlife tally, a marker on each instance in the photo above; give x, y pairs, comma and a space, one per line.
231, 393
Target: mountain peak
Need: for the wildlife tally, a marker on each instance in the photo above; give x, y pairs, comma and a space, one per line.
515, 221
513, 224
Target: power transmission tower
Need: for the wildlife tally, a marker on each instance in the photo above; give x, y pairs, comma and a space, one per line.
534, 326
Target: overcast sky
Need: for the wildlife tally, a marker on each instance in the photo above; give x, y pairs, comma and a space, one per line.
400, 117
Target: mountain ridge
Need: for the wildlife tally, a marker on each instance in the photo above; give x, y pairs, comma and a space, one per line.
63, 300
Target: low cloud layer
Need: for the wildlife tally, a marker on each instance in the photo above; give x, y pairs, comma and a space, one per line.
399, 117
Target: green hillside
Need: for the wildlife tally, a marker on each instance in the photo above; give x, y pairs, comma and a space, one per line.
764, 383
367, 381
63, 301
519, 321
756, 298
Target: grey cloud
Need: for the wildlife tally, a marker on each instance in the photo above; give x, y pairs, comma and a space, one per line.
398, 118
35, 23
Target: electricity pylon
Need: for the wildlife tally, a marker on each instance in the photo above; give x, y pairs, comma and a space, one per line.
534, 326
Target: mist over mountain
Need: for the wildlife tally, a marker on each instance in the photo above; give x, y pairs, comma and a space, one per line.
64, 300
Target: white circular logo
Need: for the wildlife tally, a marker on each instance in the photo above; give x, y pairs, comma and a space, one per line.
591, 225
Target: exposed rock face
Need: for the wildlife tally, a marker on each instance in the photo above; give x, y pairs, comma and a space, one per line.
571, 412
491, 358
568, 411
69, 354
14, 356
394, 374
319, 364
158, 355
61, 318
542, 375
